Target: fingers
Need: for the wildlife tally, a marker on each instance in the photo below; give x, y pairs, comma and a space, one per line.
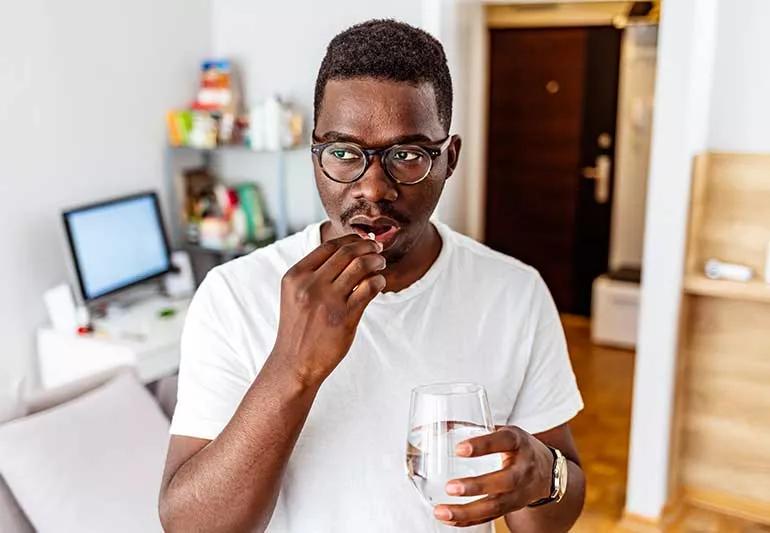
344, 256
365, 293
359, 269
507, 439
320, 255
505, 480
477, 512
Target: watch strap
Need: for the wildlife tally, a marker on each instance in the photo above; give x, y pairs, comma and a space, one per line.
554, 495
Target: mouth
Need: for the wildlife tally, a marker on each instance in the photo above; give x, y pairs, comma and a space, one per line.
384, 229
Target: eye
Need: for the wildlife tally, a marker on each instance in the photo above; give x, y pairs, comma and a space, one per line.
342, 154
404, 155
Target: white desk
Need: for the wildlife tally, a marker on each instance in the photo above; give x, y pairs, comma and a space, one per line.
139, 338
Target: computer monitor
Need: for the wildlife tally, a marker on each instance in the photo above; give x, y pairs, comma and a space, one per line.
117, 244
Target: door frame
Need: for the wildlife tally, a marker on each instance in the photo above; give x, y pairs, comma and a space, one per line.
462, 27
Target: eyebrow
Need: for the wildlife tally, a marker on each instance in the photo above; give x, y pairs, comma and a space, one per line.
336, 136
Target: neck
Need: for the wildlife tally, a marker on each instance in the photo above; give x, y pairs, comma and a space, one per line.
415, 263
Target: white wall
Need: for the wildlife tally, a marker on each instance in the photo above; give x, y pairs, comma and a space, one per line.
278, 47
711, 93
84, 86
739, 118
632, 153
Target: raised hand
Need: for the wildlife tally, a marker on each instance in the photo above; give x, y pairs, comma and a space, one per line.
322, 300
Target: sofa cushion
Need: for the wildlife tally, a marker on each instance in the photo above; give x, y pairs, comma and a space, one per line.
44, 399
12, 518
91, 464
12, 400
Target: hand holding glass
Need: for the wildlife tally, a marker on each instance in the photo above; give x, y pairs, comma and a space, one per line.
441, 416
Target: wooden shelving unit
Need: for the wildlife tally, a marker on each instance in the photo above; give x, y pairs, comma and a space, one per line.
753, 291
721, 457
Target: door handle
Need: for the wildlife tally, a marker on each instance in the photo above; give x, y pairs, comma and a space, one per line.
601, 176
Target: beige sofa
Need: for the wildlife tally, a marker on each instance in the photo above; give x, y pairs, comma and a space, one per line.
78, 443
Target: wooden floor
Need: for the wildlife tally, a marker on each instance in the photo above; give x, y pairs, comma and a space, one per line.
605, 378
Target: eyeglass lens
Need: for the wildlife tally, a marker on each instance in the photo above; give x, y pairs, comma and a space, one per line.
346, 162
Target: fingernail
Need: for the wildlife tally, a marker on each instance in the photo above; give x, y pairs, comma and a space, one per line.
454, 488
463, 449
379, 245
442, 513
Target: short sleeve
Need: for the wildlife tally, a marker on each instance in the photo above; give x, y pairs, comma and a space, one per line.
549, 396
213, 377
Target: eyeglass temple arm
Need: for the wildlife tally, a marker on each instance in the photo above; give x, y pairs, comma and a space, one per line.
444, 145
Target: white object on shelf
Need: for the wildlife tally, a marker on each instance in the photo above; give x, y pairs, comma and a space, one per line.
614, 312
716, 269
139, 338
272, 124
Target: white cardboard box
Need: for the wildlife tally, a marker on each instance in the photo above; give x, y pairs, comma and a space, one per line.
614, 312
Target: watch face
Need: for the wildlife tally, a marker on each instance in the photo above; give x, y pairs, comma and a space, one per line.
562, 481
562, 467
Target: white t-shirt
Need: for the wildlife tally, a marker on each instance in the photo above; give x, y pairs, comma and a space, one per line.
476, 315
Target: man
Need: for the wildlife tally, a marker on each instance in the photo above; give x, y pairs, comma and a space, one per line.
298, 360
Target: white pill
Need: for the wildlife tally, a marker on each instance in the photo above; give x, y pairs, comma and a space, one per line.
370, 235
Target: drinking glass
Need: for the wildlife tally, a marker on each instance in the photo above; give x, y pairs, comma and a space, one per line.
441, 416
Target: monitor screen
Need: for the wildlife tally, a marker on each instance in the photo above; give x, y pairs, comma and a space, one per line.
117, 244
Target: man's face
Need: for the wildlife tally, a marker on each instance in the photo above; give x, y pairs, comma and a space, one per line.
376, 114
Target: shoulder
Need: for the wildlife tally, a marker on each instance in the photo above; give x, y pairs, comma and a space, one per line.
251, 283
497, 279
483, 263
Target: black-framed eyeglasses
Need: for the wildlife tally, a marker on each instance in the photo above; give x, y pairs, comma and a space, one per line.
407, 164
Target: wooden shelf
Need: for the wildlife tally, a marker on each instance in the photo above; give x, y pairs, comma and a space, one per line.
723, 371
700, 285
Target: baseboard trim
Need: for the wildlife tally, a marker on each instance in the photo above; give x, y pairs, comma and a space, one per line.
635, 523
728, 504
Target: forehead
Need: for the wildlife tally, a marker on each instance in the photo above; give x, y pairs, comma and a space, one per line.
378, 111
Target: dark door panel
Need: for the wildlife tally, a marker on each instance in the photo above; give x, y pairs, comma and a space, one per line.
542, 119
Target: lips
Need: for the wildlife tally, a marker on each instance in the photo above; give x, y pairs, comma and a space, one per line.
385, 229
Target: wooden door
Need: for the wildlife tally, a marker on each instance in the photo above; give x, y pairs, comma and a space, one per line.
552, 109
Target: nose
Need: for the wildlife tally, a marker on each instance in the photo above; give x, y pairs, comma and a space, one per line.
375, 185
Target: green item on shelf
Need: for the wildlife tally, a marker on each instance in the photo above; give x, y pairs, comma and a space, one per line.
184, 120
251, 202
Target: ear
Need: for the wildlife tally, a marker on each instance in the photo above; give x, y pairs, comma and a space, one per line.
453, 155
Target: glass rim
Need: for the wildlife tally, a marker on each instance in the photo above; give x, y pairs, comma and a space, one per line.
451, 388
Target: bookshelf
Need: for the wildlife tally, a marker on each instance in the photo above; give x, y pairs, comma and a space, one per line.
752, 291
178, 157
721, 431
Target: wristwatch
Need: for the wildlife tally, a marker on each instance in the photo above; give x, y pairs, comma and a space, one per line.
558, 479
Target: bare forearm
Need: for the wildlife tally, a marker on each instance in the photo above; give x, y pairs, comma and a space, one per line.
552, 517
232, 483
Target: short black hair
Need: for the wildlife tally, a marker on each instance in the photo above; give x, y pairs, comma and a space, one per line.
389, 50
